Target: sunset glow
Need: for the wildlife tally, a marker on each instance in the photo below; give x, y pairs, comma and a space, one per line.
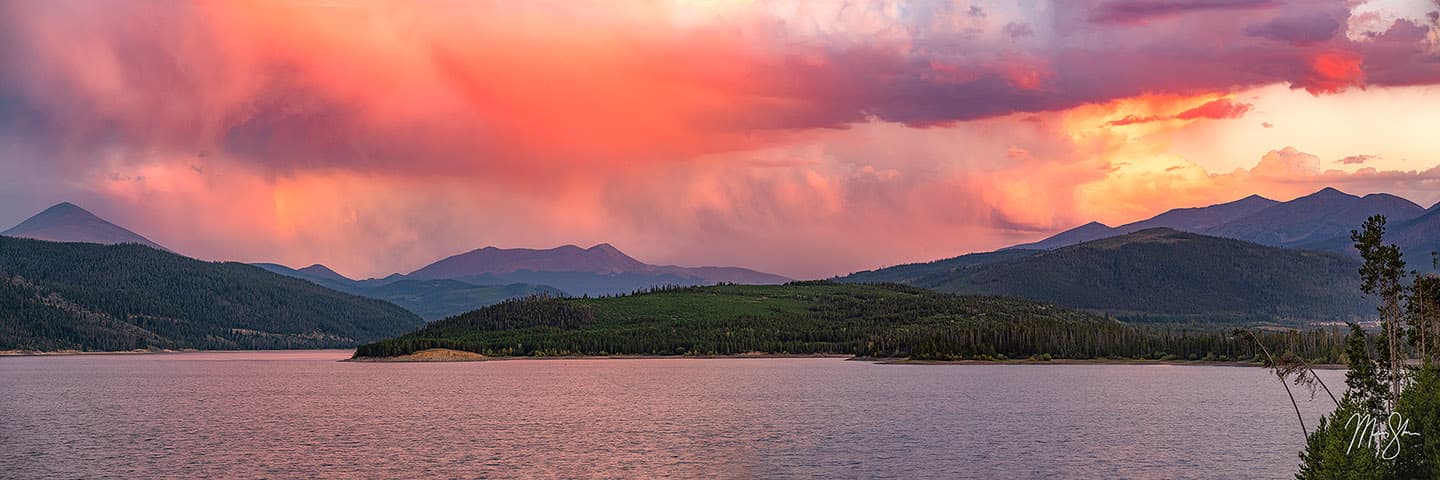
807, 139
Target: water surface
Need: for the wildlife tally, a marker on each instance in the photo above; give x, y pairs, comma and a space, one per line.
303, 414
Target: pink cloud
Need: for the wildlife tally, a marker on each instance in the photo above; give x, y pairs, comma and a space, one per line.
377, 136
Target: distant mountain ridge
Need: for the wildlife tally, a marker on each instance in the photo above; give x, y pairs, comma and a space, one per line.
1202, 218
598, 270
430, 299
1418, 237
1080, 234
1228, 267
321, 271
1315, 218
1198, 220
602, 258
67, 222
1319, 221
485, 276
1157, 274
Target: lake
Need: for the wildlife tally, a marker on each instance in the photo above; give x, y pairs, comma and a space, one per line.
302, 414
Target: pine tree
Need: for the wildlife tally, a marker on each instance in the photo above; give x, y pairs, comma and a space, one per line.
1382, 275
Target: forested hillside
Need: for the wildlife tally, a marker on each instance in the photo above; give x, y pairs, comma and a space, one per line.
96, 297
818, 317
1157, 274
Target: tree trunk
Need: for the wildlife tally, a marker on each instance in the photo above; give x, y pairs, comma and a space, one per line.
1392, 307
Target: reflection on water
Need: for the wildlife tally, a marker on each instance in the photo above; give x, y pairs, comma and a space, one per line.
302, 414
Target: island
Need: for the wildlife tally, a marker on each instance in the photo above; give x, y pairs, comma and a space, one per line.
885, 321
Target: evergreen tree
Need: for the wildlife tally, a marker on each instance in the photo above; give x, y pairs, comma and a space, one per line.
1409, 414
1419, 454
1423, 310
1329, 454
1382, 275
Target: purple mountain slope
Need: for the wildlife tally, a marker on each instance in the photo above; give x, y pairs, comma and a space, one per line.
66, 222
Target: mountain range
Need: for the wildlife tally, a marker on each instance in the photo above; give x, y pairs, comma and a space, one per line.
489, 275
1156, 274
1196, 220
1250, 259
1319, 221
598, 270
1253, 259
451, 286
430, 299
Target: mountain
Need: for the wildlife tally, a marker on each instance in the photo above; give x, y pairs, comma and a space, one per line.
598, 270
1319, 221
1168, 274
66, 222
1080, 234
1315, 218
1417, 238
87, 296
312, 274
1201, 219
1197, 219
908, 274
430, 299
321, 271
602, 258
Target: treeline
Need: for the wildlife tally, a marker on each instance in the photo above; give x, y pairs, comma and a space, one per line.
1117, 341
121, 297
826, 318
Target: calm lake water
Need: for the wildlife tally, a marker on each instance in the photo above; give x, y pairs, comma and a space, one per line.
305, 415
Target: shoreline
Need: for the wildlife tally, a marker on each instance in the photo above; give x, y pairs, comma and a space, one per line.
61, 353
1093, 361
67, 353
457, 356
437, 355
440, 355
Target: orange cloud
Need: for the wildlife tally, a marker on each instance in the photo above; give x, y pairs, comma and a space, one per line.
1220, 108
377, 136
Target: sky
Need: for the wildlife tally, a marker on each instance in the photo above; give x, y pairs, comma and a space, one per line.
807, 139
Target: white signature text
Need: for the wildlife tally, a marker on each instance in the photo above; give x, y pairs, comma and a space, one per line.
1382, 435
